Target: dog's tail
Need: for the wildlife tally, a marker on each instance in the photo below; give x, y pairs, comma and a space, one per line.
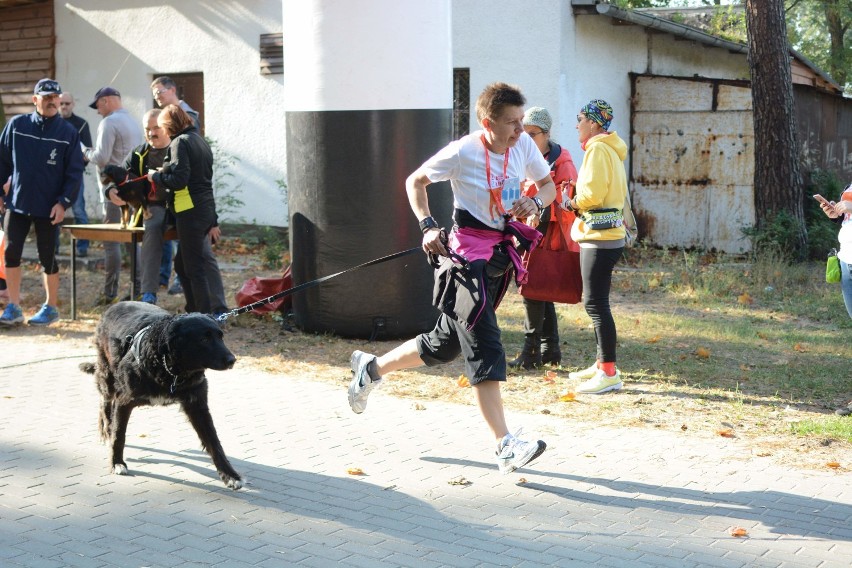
88, 368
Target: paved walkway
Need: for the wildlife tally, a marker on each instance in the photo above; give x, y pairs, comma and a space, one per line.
621, 498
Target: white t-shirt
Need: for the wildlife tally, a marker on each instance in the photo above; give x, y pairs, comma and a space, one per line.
845, 234
462, 162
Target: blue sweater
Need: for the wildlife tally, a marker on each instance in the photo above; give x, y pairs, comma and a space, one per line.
44, 158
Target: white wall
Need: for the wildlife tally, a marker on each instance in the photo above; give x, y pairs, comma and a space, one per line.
123, 43
561, 62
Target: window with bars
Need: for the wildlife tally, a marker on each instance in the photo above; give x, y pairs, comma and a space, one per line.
461, 102
272, 54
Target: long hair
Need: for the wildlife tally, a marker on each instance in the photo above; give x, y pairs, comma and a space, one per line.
174, 119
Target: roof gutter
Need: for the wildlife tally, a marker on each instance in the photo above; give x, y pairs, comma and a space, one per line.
670, 27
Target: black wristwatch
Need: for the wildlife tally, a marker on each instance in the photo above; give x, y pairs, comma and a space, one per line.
538, 203
428, 223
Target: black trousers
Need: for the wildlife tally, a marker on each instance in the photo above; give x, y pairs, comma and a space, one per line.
196, 265
596, 267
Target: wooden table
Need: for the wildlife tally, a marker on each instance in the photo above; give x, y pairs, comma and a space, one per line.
108, 232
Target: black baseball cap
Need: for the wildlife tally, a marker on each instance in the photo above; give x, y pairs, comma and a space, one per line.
47, 87
103, 92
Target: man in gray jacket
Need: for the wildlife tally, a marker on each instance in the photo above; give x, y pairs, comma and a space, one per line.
118, 134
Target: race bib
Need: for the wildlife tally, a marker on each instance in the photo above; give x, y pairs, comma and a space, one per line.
511, 192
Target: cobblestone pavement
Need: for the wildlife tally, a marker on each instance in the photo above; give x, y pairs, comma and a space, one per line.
431, 494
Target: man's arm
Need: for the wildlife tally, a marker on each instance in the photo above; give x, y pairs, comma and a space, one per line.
100, 154
73, 173
86, 135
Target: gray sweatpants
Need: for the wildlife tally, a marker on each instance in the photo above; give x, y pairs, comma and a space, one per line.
152, 249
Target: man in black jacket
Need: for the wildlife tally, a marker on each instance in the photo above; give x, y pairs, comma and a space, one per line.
66, 109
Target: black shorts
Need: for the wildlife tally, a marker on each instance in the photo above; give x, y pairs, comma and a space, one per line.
485, 359
17, 227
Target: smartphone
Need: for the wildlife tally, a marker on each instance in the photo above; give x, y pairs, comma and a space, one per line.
821, 199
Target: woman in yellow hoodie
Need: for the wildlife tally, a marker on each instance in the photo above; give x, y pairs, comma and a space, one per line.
599, 229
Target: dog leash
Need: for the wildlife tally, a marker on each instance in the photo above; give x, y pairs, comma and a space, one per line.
304, 286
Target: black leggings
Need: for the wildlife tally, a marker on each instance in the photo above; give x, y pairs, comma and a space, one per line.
17, 227
596, 267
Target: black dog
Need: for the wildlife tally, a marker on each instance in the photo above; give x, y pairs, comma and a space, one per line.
130, 190
147, 356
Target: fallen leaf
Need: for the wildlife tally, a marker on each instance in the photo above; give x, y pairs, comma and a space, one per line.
355, 471
568, 397
522, 480
653, 283
463, 382
550, 377
703, 352
833, 465
418, 406
143, 435
654, 339
684, 427
738, 531
460, 480
745, 299
762, 335
799, 347
726, 433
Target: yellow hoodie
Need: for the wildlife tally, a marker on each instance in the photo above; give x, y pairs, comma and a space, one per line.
601, 184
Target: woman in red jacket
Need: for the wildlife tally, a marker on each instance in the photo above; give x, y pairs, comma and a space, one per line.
541, 327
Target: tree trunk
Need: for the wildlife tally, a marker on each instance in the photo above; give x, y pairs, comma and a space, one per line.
837, 26
777, 180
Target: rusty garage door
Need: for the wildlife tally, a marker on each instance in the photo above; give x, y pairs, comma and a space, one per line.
692, 162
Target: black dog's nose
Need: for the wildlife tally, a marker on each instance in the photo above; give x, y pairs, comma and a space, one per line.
230, 360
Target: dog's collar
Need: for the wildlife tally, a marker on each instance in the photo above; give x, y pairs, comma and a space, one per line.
173, 374
134, 348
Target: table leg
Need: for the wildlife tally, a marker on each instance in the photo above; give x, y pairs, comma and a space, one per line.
73, 277
133, 291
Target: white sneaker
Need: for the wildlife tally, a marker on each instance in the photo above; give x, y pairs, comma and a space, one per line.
514, 453
362, 383
601, 383
585, 374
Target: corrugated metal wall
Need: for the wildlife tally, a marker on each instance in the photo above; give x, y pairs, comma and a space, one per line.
692, 161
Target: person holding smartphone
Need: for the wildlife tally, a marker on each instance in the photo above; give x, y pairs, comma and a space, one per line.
841, 212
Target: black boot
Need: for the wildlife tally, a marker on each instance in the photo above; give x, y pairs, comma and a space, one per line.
530, 356
550, 352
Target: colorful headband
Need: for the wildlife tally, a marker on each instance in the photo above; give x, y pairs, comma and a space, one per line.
599, 111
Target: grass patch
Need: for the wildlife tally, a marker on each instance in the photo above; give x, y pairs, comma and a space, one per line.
836, 427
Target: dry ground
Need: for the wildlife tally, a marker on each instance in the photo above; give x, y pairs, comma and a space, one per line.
761, 419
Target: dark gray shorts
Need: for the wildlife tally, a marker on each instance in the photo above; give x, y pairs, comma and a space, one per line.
485, 359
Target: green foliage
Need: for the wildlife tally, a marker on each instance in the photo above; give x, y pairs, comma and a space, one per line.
274, 248
225, 188
808, 30
776, 238
729, 24
822, 233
